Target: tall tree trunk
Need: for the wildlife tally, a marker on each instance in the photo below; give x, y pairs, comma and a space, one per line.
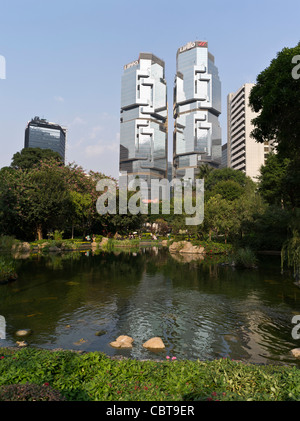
39, 232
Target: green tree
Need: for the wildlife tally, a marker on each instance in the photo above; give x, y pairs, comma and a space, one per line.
204, 171
79, 210
219, 217
30, 157
276, 99
226, 174
227, 189
13, 186
271, 184
47, 199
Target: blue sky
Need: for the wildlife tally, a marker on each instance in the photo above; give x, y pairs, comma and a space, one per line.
65, 58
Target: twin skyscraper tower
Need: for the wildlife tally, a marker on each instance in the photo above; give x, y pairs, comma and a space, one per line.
144, 115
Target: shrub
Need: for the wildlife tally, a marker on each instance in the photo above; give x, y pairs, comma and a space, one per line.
6, 242
245, 257
29, 392
7, 269
290, 254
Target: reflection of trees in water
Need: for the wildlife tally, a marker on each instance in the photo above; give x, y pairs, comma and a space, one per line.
150, 293
53, 285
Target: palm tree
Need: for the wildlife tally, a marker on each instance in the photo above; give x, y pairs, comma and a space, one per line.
204, 171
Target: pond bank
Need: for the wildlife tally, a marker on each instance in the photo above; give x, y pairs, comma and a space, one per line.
66, 299
94, 376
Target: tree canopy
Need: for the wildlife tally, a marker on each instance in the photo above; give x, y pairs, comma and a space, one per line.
29, 157
276, 99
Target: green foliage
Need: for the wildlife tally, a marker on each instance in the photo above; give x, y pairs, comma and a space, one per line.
6, 242
95, 377
30, 157
212, 247
227, 189
46, 197
290, 254
226, 174
268, 229
7, 268
245, 258
29, 392
272, 181
204, 171
275, 97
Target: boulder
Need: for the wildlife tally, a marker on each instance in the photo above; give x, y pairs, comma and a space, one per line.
296, 352
25, 246
54, 249
103, 241
21, 343
23, 332
186, 247
189, 248
154, 343
45, 244
21, 247
122, 341
176, 246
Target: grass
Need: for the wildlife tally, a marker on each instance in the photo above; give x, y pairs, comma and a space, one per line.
95, 377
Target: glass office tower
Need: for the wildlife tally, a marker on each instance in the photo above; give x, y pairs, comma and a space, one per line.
197, 106
144, 119
40, 133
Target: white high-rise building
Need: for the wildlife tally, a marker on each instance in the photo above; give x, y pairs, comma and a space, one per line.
144, 119
243, 152
197, 106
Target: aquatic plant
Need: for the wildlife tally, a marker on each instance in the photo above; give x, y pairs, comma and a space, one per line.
245, 257
290, 254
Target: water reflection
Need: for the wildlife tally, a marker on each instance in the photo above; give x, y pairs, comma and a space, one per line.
199, 307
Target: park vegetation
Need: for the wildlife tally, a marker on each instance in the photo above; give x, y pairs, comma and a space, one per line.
40, 196
31, 374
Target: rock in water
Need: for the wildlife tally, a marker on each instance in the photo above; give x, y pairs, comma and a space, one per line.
101, 332
154, 343
122, 341
21, 343
23, 332
296, 352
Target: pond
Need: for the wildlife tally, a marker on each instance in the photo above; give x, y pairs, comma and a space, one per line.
200, 308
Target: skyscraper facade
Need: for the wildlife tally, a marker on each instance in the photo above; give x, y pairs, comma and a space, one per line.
144, 119
243, 152
197, 106
40, 133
